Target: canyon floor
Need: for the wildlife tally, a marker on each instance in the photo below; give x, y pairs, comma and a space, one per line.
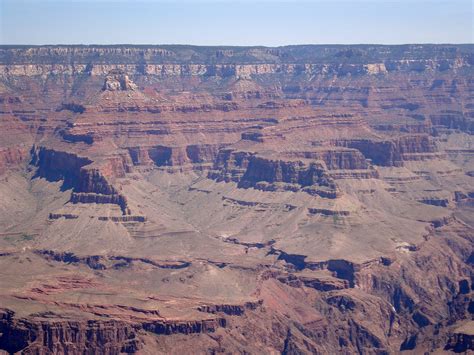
293, 200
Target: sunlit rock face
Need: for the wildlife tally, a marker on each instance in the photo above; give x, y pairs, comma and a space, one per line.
301, 199
117, 80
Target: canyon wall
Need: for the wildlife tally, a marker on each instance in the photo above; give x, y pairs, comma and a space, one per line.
175, 60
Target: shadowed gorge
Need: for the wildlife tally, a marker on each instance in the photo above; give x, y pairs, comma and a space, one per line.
293, 200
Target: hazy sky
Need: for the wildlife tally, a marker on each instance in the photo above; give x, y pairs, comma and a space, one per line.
235, 22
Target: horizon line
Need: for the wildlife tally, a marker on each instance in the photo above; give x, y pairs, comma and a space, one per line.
237, 45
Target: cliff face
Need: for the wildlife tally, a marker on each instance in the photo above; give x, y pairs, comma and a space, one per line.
12, 156
175, 60
46, 336
229, 70
175, 156
460, 343
309, 171
335, 159
56, 166
394, 152
90, 184
118, 80
271, 175
16, 139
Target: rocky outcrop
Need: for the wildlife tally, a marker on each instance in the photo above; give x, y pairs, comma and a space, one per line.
230, 165
117, 80
460, 342
327, 212
113, 198
292, 172
123, 219
203, 153
78, 172
414, 298
163, 156
271, 174
174, 60
322, 284
58, 165
100, 262
443, 202
335, 159
393, 152
183, 327
12, 156
158, 155
230, 309
73, 107
342, 163
63, 215
423, 127
116, 166
91, 180
452, 120
221, 70
89, 184
43, 335
49, 333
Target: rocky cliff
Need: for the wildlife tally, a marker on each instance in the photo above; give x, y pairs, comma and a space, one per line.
60, 336
267, 173
394, 152
175, 60
90, 184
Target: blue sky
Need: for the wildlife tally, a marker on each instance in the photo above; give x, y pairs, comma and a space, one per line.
235, 22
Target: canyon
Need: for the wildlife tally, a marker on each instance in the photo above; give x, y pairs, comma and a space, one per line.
183, 199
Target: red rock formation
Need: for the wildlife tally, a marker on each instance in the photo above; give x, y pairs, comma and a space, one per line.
230, 309
44, 335
335, 159
251, 170
394, 152
116, 199
177, 327
90, 184
118, 80
12, 156
57, 165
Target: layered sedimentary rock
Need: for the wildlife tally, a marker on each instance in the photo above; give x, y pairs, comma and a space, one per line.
179, 199
118, 80
62, 336
12, 156
89, 184
174, 60
394, 151
267, 173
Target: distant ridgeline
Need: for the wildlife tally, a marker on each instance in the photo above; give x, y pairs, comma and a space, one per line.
229, 61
